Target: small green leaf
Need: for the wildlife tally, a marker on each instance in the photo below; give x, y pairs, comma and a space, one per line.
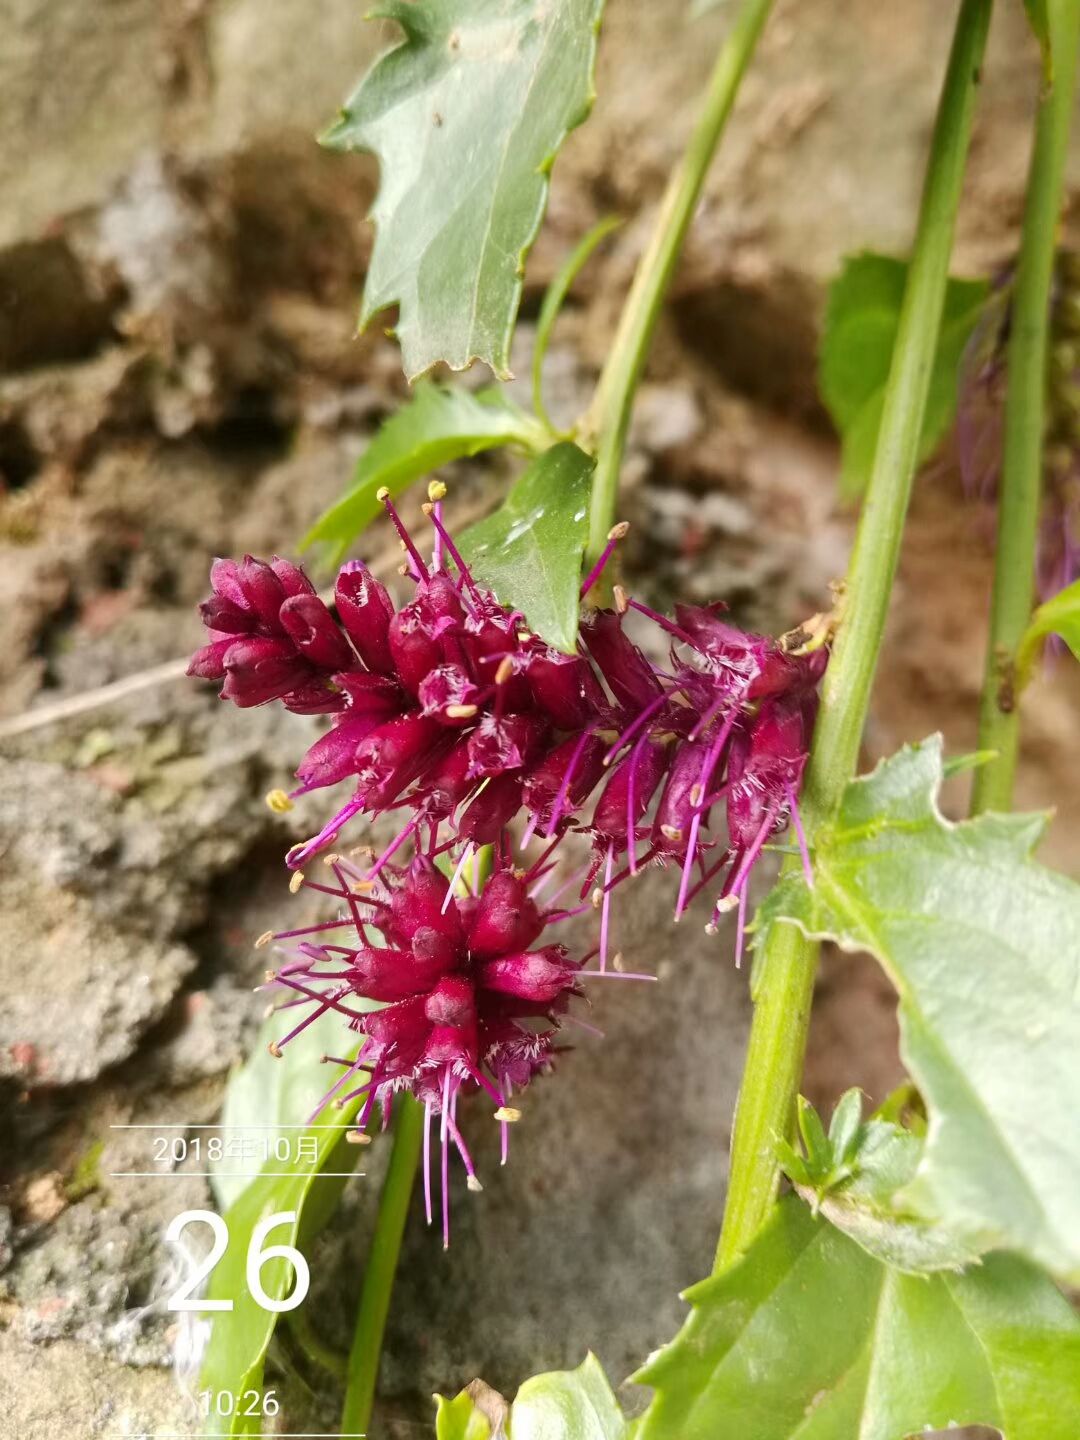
529, 552
818, 1150
868, 1206
861, 320
435, 426
845, 1122
466, 117
475, 1413
809, 1338
554, 296
983, 946
1059, 616
563, 1405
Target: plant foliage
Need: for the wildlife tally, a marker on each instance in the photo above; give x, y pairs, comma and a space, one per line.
983, 946
466, 117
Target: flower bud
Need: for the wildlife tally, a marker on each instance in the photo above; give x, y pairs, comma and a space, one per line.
506, 919
365, 610
311, 626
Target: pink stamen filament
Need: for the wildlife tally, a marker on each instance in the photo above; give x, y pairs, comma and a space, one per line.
605, 908
568, 776
392, 849
662, 621
296, 858
635, 725
407, 540
437, 565
427, 1160
452, 551
598, 569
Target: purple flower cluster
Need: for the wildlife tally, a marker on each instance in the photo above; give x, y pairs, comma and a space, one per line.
450, 710
466, 1004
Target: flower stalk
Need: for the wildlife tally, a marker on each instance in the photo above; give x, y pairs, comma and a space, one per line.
1025, 419
381, 1267
608, 420
788, 963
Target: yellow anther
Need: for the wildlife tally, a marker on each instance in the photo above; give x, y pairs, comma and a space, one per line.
436, 490
279, 802
619, 531
473, 1184
671, 832
275, 1049
296, 881
461, 712
382, 494
622, 602
357, 1137
505, 670
264, 940
508, 1113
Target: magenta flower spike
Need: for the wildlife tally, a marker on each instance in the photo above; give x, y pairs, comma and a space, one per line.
468, 1006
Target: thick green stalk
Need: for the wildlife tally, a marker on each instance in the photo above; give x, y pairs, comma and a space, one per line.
609, 415
381, 1266
1025, 405
786, 967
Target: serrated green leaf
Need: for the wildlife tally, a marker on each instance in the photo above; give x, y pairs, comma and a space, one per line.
529, 551
808, 1337
861, 319
465, 117
563, 1405
983, 946
1059, 616
436, 425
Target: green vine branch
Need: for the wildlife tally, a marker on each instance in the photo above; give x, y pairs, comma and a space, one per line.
605, 427
1025, 408
787, 964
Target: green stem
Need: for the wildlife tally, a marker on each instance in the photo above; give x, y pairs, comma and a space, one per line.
381, 1265
609, 415
1025, 403
788, 962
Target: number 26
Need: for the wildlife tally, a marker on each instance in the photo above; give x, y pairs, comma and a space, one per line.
184, 1299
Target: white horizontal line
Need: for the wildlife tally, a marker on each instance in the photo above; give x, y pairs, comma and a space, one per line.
231, 1127
213, 1435
232, 1174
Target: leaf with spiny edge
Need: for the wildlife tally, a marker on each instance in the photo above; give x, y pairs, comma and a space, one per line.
983, 946
465, 116
808, 1337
